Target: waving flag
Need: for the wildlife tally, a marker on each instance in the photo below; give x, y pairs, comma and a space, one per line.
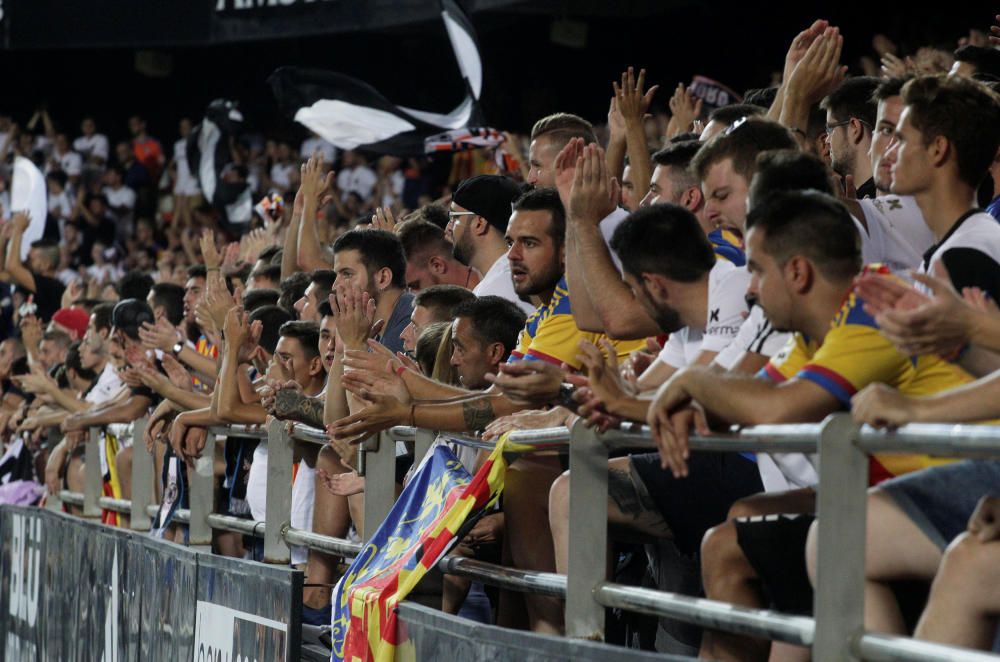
210, 158
352, 114
436, 508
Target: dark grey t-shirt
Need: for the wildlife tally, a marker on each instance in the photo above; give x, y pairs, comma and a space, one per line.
397, 322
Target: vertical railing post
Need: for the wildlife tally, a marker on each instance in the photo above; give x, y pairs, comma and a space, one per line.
201, 496
588, 532
93, 480
380, 480
52, 501
422, 443
278, 510
142, 478
839, 601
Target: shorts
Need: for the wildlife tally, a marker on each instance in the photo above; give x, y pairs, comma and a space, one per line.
940, 500
775, 545
692, 505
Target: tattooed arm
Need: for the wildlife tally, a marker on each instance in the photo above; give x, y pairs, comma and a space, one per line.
292, 405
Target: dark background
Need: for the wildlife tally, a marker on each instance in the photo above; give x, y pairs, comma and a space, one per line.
526, 74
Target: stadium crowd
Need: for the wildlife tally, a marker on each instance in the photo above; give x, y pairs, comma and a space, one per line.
821, 246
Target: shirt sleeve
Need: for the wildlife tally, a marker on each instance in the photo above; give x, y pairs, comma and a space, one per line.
556, 341
851, 357
727, 309
672, 353
787, 362
969, 267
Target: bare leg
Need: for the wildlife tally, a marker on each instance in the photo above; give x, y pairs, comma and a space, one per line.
527, 525
896, 549
75, 481
963, 605
123, 465
331, 517
729, 577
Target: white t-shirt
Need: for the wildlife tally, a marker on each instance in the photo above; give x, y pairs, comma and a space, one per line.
359, 179
396, 182
122, 197
60, 205
71, 163
186, 183
316, 144
95, 145
756, 335
108, 385
971, 252
303, 500
497, 282
727, 287
898, 233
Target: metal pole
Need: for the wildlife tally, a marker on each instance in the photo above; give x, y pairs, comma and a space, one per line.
202, 496
839, 602
93, 480
380, 481
142, 478
588, 533
422, 444
278, 510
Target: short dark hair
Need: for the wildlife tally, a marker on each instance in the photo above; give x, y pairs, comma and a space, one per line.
102, 315
432, 213
664, 239
378, 250
58, 176
259, 297
197, 271
324, 308
563, 127
270, 253
292, 289
853, 98
494, 319
422, 239
59, 337
678, 157
889, 87
742, 143
545, 199
272, 318
985, 59
965, 112
441, 300
135, 285
760, 96
323, 278
50, 249
73, 361
788, 170
271, 272
812, 224
728, 115
307, 333
171, 297
234, 278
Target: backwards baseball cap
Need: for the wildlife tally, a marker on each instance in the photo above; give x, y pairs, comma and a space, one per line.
74, 320
129, 316
489, 196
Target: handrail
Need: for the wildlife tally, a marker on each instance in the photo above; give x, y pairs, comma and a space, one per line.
835, 634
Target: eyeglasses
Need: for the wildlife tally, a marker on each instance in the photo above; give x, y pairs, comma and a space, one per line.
452, 215
837, 125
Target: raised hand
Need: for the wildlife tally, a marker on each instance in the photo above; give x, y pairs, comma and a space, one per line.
354, 311
565, 166
616, 123
800, 45
209, 252
383, 219
160, 335
385, 382
593, 195
685, 108
819, 72
632, 102
995, 31
895, 67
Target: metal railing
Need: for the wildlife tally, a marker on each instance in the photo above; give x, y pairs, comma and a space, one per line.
836, 633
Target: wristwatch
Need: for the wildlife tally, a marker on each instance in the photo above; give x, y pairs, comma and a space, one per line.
565, 398
177, 349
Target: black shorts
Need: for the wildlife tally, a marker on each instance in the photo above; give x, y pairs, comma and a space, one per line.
775, 545
692, 505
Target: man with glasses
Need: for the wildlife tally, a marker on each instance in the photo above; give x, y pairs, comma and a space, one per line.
850, 118
477, 220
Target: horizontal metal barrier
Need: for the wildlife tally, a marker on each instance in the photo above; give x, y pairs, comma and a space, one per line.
835, 634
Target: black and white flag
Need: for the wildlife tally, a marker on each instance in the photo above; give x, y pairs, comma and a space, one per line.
210, 158
352, 114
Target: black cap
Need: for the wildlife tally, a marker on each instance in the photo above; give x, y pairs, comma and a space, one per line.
129, 316
490, 196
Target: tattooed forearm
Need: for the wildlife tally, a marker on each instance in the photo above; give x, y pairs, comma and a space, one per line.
290, 404
478, 414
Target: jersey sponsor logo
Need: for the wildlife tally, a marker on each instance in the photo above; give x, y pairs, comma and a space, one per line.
713, 316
